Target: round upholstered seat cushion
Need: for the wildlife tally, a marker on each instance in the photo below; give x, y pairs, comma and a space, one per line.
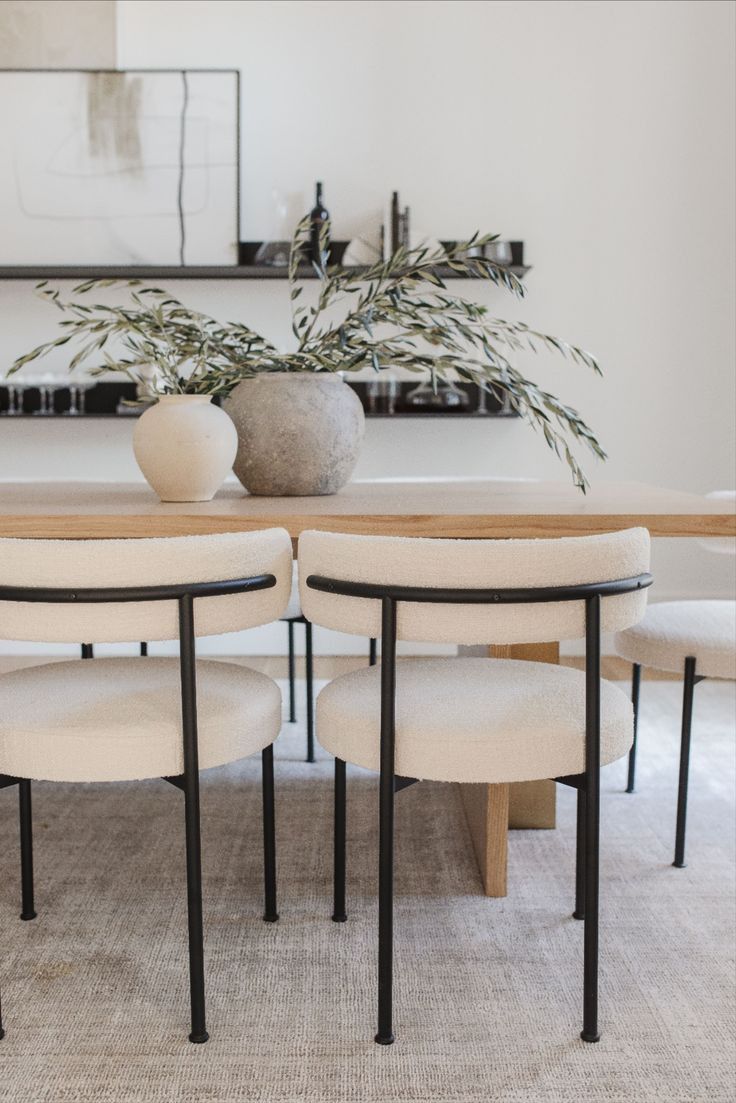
120, 719
473, 719
673, 631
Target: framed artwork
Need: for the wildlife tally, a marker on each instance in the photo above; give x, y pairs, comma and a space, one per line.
119, 167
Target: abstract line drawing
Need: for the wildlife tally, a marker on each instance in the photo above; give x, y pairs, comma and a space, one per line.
136, 167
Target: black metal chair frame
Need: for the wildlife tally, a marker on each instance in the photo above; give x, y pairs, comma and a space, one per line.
188, 782
309, 669
690, 680
587, 784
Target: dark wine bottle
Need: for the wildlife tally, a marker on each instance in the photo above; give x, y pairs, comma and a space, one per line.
317, 217
395, 222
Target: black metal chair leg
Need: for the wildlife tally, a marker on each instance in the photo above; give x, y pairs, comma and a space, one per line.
687, 717
192, 820
26, 849
579, 912
635, 683
2, 1029
309, 662
339, 914
292, 674
385, 1035
372, 653
589, 1032
270, 913
87, 651
194, 905
144, 649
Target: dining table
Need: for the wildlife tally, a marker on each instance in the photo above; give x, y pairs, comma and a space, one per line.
477, 508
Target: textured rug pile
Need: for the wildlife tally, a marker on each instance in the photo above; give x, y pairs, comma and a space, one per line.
488, 992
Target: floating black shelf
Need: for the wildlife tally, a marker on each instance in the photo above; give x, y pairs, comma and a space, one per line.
246, 270
190, 272
107, 400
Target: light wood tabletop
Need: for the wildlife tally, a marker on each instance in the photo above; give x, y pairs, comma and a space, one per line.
437, 508
461, 508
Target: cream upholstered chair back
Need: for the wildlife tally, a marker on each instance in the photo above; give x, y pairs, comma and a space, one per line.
90, 564
473, 564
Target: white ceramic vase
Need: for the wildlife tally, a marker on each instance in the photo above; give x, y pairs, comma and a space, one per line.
185, 447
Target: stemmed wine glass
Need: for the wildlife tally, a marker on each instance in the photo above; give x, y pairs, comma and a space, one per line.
482, 408
77, 399
15, 399
45, 407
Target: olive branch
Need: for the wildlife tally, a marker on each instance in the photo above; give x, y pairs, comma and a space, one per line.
396, 313
401, 315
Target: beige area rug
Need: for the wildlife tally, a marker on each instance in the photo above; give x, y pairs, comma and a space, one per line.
488, 992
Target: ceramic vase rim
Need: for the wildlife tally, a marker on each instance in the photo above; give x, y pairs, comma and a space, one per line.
184, 398
301, 375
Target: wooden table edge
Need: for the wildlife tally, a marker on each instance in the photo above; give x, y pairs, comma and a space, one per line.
86, 526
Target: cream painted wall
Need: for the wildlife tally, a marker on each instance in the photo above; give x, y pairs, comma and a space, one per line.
602, 133
57, 34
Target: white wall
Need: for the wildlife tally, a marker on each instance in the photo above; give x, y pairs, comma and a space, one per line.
602, 133
57, 34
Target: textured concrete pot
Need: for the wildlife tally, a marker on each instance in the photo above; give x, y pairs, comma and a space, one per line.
299, 434
185, 447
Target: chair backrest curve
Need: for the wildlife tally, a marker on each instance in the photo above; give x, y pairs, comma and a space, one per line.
473, 564
87, 564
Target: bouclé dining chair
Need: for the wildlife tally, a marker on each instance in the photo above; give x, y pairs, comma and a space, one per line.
474, 719
697, 638
124, 719
292, 616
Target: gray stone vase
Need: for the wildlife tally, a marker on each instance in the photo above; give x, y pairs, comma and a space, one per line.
299, 433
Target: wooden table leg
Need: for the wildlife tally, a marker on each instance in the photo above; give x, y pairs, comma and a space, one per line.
487, 813
492, 809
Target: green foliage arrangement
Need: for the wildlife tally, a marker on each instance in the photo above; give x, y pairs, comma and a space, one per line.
396, 313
